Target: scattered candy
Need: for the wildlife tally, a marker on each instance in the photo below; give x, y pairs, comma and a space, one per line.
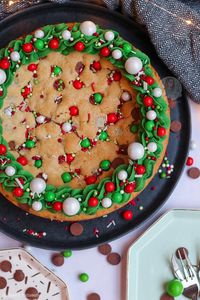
189, 161
84, 277
194, 172
105, 249
57, 259
67, 253
114, 258
175, 126
93, 296
76, 229
174, 288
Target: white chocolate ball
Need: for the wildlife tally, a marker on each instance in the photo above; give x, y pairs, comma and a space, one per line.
122, 175
71, 206
37, 205
2, 76
126, 96
152, 146
66, 127
109, 36
10, 171
106, 202
39, 34
40, 119
133, 65
157, 92
151, 115
88, 28
66, 35
135, 151
38, 185
15, 56
193, 145
116, 54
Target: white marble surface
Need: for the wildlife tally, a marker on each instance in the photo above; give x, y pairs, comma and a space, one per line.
109, 281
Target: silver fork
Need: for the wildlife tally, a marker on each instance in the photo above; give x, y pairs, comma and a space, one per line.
187, 275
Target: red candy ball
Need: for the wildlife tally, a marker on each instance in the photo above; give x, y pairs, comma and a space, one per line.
112, 118
140, 169
3, 149
4, 63
189, 161
22, 160
18, 192
57, 206
109, 187
32, 67
117, 76
161, 131
74, 110
70, 158
93, 201
54, 43
77, 84
28, 47
105, 51
96, 65
90, 179
148, 101
79, 46
127, 215
129, 188
149, 80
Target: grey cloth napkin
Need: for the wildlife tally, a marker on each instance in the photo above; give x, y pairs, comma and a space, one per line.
173, 26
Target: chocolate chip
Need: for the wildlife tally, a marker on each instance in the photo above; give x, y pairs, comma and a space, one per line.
123, 149
76, 229
175, 126
166, 297
3, 283
79, 67
114, 258
181, 252
5, 266
57, 259
93, 296
24, 206
136, 113
32, 293
19, 275
194, 172
117, 162
172, 103
12, 145
105, 249
58, 99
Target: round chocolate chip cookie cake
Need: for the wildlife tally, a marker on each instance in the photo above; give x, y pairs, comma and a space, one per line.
84, 121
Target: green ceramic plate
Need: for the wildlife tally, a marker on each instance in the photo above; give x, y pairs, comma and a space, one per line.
149, 257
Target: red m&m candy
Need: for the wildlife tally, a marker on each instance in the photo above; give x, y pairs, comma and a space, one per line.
109, 187
79, 46
18, 192
161, 131
4, 63
57, 206
105, 51
129, 188
3, 149
28, 47
90, 179
93, 201
127, 215
22, 160
148, 101
54, 43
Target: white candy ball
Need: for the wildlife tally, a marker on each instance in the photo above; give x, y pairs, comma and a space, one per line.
66, 35
151, 115
2, 76
10, 171
117, 54
66, 127
39, 34
193, 145
109, 36
152, 146
133, 65
88, 28
40, 119
8, 111
157, 92
14, 56
135, 151
38, 185
106, 202
71, 206
37, 205
126, 96
122, 175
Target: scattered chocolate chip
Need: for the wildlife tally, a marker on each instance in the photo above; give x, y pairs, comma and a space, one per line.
136, 114
57, 259
58, 99
105, 249
32, 293
3, 283
172, 103
194, 172
181, 252
79, 67
76, 229
175, 126
12, 145
5, 266
114, 258
166, 297
19, 275
123, 149
117, 162
93, 296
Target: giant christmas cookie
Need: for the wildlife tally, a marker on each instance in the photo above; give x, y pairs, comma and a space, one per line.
84, 121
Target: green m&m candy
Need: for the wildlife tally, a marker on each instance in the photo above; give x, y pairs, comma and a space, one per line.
103, 136
174, 288
49, 196
39, 44
29, 144
97, 98
85, 143
66, 177
149, 125
56, 71
38, 163
105, 165
134, 128
117, 197
67, 253
127, 47
84, 277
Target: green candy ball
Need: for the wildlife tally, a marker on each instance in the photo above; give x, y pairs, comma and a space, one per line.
105, 165
39, 44
163, 175
149, 125
30, 144
67, 253
117, 197
134, 128
66, 177
174, 288
97, 98
103, 136
84, 277
57, 70
49, 196
38, 163
127, 47
85, 143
